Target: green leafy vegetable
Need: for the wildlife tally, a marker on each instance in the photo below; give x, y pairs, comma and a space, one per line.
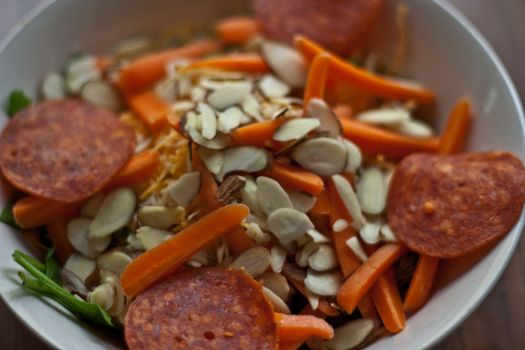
52, 267
16, 102
7, 217
46, 286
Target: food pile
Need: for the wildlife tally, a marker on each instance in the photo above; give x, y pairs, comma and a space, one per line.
238, 192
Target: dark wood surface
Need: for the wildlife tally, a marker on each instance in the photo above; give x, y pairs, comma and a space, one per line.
499, 323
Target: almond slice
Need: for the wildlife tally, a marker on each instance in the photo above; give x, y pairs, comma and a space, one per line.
81, 266
286, 62
371, 191
244, 158
323, 283
272, 87
317, 236
277, 283
220, 141
277, 258
229, 120
230, 95
271, 196
349, 199
151, 237
185, 188
255, 232
208, 121
414, 128
102, 296
249, 195
115, 261
322, 155
116, 211
295, 129
79, 71
92, 206
384, 116
213, 159
352, 335
160, 217
252, 108
370, 231
340, 225
278, 304
302, 256
78, 236
323, 259
354, 244
329, 123
354, 156
387, 234
302, 201
53, 86
255, 261
102, 94
288, 224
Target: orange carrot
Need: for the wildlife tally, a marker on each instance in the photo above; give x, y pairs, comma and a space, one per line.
238, 241
302, 327
240, 62
322, 204
139, 168
367, 307
387, 300
421, 283
151, 109
373, 140
57, 230
147, 70
291, 177
344, 111
237, 30
257, 134
156, 263
359, 283
380, 86
103, 63
316, 81
32, 211
456, 131
348, 262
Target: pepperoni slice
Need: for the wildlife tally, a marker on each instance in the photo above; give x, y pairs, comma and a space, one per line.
211, 308
339, 25
64, 150
448, 206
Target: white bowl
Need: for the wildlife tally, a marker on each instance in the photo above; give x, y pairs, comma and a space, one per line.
447, 54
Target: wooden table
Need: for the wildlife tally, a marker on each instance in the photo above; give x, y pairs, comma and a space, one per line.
499, 322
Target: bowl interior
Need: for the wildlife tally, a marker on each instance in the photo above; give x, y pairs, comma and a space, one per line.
445, 53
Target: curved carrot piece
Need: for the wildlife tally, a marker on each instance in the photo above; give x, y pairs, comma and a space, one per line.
291, 177
57, 230
241, 62
421, 283
343, 111
348, 262
322, 204
367, 307
388, 303
151, 109
156, 263
145, 71
359, 283
238, 241
237, 30
380, 86
302, 327
139, 168
257, 134
456, 131
373, 140
316, 81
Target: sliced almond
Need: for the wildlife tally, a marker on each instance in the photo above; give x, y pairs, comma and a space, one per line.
92, 206
354, 244
322, 155
167, 90
199, 259
255, 232
302, 256
182, 106
323, 259
73, 283
384, 116
277, 258
349, 199
80, 266
287, 63
255, 261
102, 296
414, 128
252, 108
370, 231
220, 141
81, 70
185, 188
115, 261
272, 87
340, 225
53, 86
387, 235
271, 196
120, 301
160, 217
256, 219
213, 159
244, 158
313, 299
249, 195
116, 211
295, 129
132, 46
278, 304
222, 252
352, 334
387, 178
302, 201
277, 283
323, 283
78, 236
197, 94
102, 94
328, 121
229, 120
230, 95
317, 236
371, 191
288, 224
208, 121
354, 156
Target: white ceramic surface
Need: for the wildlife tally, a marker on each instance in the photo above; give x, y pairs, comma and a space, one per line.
447, 54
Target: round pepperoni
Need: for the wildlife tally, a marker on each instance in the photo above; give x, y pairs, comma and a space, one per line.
207, 308
448, 206
339, 25
64, 150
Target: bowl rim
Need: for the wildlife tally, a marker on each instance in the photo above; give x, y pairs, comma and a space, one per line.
467, 25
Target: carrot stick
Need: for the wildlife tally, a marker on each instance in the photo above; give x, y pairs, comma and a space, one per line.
343, 111
151, 109
294, 178
421, 283
373, 140
316, 81
145, 71
322, 204
456, 131
387, 300
238, 241
237, 30
240, 62
346, 71
348, 262
302, 327
359, 283
139, 168
257, 134
171, 254
57, 230
366, 307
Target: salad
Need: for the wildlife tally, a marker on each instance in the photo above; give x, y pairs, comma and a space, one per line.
267, 184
